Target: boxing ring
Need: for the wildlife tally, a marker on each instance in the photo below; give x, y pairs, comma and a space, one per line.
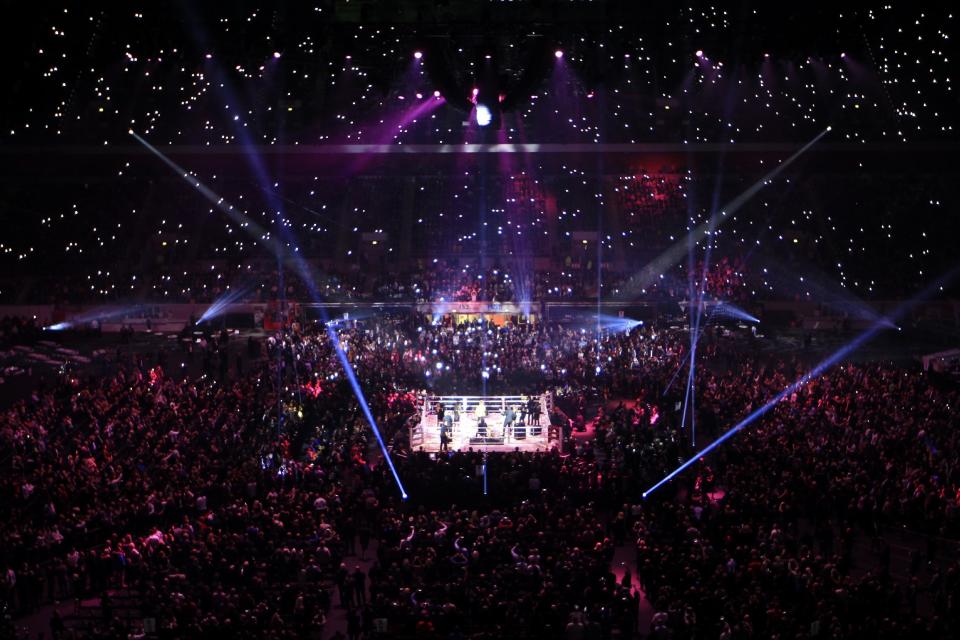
483, 423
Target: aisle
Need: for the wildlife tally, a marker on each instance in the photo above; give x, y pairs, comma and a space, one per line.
624, 559
624, 556
337, 619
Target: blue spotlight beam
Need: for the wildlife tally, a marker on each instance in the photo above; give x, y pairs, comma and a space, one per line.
694, 315
674, 376
300, 266
686, 398
694, 339
693, 412
352, 378
697, 317
684, 360
766, 407
651, 272
820, 287
824, 364
484, 473
251, 227
694, 342
727, 310
99, 314
254, 230
219, 306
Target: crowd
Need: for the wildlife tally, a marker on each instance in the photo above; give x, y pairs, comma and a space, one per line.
438, 282
646, 198
860, 451
279, 157
422, 352
230, 503
541, 232
18, 330
184, 490
725, 279
449, 284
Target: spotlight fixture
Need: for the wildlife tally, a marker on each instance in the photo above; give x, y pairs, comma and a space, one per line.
484, 117
492, 91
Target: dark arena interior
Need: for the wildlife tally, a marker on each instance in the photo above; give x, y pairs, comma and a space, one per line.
479, 319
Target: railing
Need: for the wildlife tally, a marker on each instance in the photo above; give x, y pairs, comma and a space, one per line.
469, 404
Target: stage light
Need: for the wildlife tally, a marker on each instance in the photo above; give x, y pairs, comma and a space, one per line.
727, 310
757, 413
699, 53
484, 117
365, 407
417, 54
220, 306
284, 254
655, 269
558, 53
276, 54
436, 94
96, 315
819, 369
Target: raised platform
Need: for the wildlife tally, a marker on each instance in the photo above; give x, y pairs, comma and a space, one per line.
466, 432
